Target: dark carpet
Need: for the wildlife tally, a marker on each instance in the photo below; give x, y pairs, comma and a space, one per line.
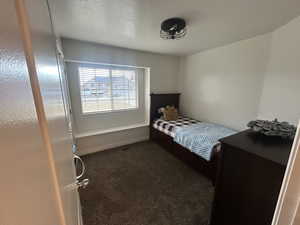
142, 184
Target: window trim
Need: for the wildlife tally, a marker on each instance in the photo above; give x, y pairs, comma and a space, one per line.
110, 67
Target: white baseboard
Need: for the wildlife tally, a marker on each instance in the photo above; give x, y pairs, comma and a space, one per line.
99, 148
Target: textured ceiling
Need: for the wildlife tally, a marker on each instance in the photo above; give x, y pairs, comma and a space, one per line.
135, 24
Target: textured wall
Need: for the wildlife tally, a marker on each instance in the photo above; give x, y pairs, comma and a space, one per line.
223, 85
164, 68
281, 92
255, 78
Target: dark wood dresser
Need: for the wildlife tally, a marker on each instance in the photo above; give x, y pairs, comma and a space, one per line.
249, 180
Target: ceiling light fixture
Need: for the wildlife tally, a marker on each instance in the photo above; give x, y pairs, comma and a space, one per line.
173, 28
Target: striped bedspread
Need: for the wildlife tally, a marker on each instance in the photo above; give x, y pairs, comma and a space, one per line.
201, 138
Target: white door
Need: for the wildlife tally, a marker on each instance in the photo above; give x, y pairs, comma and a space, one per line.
37, 162
26, 190
288, 211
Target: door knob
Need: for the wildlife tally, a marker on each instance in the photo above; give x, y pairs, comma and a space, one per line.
83, 183
76, 157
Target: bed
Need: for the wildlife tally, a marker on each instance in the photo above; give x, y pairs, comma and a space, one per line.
163, 133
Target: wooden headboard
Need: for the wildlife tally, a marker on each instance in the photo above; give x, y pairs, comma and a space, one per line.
161, 100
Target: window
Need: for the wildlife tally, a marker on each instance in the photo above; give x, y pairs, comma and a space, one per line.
105, 89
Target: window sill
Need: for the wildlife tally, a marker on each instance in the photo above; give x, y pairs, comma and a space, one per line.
99, 132
82, 114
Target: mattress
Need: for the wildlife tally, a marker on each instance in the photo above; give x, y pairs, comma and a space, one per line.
169, 127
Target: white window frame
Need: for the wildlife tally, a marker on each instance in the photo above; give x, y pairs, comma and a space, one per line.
110, 68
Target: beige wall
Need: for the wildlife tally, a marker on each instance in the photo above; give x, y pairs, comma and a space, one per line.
96, 143
223, 85
164, 68
281, 92
163, 78
255, 78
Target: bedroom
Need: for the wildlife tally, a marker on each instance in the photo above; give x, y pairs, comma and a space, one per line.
159, 128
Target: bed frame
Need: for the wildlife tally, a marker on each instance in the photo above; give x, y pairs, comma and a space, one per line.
208, 169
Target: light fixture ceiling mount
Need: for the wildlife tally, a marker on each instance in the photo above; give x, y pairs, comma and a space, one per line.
173, 28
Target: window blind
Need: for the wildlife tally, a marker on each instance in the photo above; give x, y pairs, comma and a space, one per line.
104, 89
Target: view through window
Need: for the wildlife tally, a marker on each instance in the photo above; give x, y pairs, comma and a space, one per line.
105, 89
